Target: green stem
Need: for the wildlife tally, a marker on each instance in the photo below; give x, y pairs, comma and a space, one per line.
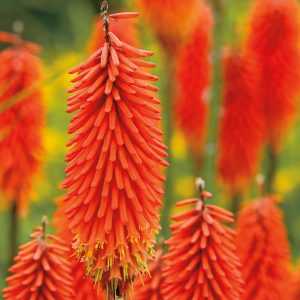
236, 201
169, 67
218, 6
271, 169
13, 231
209, 161
114, 5
197, 165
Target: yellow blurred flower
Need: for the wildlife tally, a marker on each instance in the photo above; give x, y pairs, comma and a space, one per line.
178, 145
54, 143
287, 180
185, 187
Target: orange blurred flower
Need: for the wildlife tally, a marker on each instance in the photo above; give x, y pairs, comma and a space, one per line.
264, 251
194, 79
202, 262
171, 20
21, 120
274, 44
113, 173
149, 288
124, 29
242, 127
41, 270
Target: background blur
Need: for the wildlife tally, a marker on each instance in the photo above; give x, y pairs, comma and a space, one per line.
63, 29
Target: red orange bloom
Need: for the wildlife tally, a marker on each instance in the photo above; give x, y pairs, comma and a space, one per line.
274, 43
124, 29
194, 78
149, 288
171, 20
41, 270
241, 132
202, 262
21, 120
263, 247
113, 173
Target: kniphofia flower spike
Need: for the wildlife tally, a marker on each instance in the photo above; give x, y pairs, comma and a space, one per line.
41, 270
194, 79
274, 44
264, 251
21, 120
201, 262
242, 127
114, 166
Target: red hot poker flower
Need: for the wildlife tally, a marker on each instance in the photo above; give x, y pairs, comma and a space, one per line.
171, 20
264, 251
21, 120
274, 43
194, 78
202, 262
241, 132
41, 270
113, 173
149, 288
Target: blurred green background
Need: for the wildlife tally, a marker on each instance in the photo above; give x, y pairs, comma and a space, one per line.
63, 29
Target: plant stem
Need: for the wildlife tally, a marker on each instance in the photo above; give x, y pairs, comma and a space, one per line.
169, 66
218, 6
236, 201
197, 164
209, 161
13, 231
271, 169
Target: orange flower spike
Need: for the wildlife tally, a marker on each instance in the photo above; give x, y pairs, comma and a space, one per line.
149, 288
171, 20
121, 24
41, 270
241, 129
21, 120
201, 262
114, 166
194, 79
264, 251
84, 288
274, 43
